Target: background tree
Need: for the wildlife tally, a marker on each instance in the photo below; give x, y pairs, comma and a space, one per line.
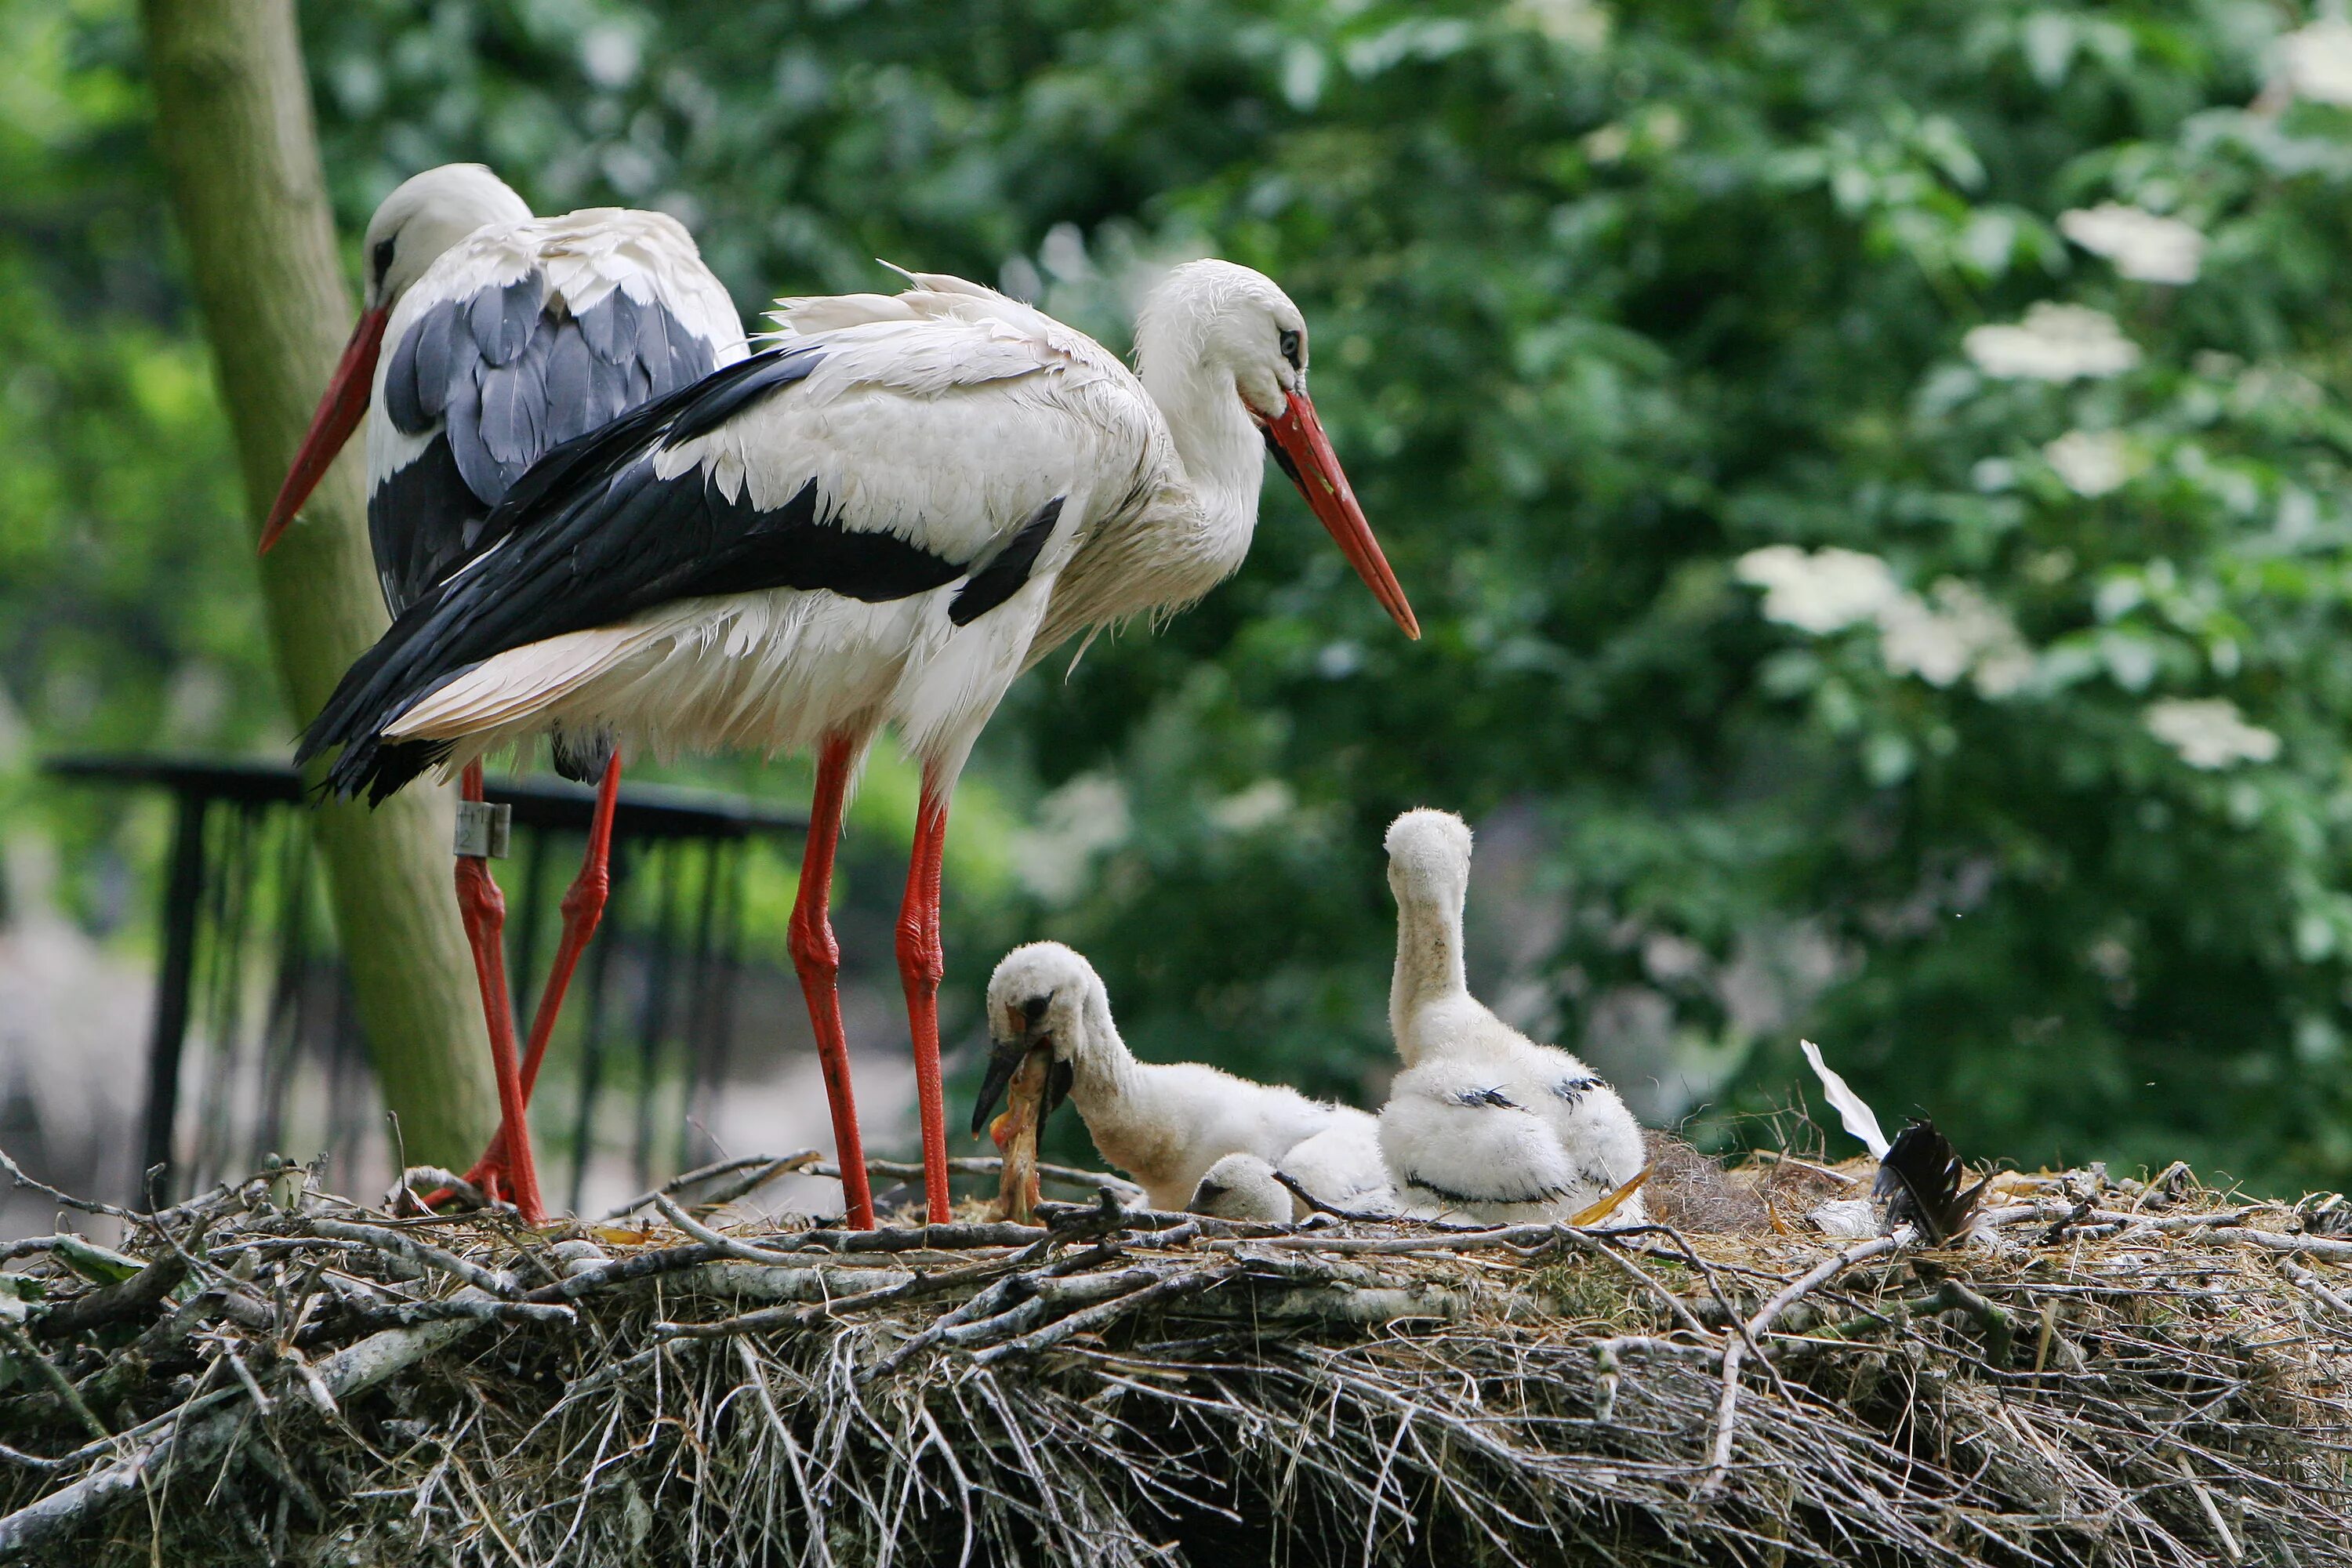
233, 118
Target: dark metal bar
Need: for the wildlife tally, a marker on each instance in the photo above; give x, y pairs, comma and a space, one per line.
644, 811
530, 911
653, 1018
700, 1048
182, 893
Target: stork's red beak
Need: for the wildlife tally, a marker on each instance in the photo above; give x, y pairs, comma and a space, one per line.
1305, 453
338, 415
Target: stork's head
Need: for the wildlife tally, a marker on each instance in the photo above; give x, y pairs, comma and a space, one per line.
424, 216
1225, 332
1045, 996
1429, 858
1242, 1186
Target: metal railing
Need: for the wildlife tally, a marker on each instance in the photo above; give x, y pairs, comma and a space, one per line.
242, 921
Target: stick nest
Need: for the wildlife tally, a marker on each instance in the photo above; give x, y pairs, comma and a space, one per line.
2107, 1373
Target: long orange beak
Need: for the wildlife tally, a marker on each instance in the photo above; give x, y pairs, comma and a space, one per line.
1298, 443
338, 415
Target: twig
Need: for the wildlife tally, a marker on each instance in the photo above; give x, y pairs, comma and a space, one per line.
63, 1200
404, 1189
1298, 1190
1727, 1419
1813, 1279
1094, 1318
2317, 1245
2311, 1284
141, 1292
2212, 1515
990, 1165
799, 1317
262, 1403
423, 1253
1780, 1159
742, 1250
763, 1168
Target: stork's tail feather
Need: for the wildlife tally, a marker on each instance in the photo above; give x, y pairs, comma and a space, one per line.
391, 764
380, 768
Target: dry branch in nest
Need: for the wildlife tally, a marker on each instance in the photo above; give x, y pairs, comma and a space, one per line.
2104, 1373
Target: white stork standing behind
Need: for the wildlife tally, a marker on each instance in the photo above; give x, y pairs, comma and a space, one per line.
1483, 1123
509, 335
1169, 1124
883, 518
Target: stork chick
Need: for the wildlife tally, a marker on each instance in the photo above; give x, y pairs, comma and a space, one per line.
1165, 1124
1483, 1123
1242, 1188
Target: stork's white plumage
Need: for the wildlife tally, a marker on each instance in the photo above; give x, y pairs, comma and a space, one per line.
880, 519
1483, 1123
1165, 1124
508, 336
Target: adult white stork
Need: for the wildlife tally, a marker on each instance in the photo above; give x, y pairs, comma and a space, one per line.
510, 335
883, 518
1167, 1124
1483, 1123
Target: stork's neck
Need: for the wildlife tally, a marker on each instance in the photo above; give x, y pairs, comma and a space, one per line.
1127, 1104
1428, 961
1103, 1071
1220, 445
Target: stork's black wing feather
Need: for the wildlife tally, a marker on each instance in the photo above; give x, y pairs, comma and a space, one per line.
593, 535
497, 380
1920, 1177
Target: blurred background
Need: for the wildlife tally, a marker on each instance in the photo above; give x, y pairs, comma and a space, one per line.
1873, 476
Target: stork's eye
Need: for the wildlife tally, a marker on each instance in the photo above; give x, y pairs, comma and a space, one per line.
1290, 347
383, 259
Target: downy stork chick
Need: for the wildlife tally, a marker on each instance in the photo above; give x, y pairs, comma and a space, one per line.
1165, 1124
1483, 1123
1242, 1188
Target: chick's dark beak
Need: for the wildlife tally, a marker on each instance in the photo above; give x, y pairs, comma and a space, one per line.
1020, 1031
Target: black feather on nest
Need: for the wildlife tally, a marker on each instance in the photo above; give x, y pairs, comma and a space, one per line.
1920, 1176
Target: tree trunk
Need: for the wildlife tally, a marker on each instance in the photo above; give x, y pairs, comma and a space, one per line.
233, 118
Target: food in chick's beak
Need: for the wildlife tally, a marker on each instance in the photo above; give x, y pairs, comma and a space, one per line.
1015, 1132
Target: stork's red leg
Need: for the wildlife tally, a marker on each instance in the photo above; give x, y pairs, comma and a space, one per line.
583, 906
817, 957
921, 963
484, 910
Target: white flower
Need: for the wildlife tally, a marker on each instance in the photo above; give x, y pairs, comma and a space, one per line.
2054, 343
1583, 24
2209, 733
1962, 631
2091, 462
2142, 245
1075, 823
1821, 591
1266, 801
2316, 62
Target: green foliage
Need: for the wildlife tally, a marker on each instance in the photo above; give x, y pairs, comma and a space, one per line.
1604, 300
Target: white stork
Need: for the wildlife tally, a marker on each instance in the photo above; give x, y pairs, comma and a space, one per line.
510, 335
882, 517
1482, 1122
1167, 1124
